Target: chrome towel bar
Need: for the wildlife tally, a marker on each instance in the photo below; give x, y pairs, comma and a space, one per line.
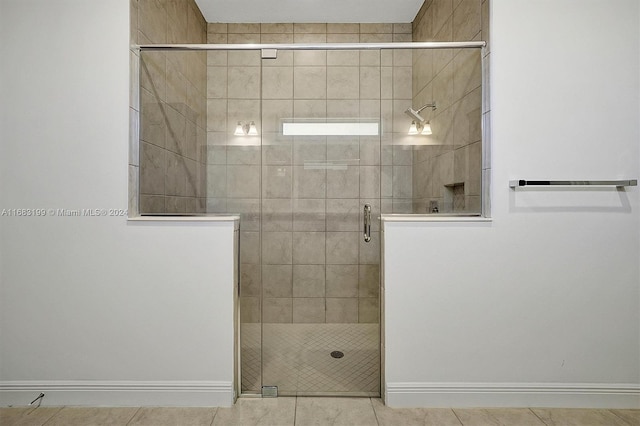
619, 183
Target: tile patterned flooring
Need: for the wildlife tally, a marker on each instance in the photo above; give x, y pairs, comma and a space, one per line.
306, 411
297, 358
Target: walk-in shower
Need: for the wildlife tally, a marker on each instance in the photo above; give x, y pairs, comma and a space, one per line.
310, 144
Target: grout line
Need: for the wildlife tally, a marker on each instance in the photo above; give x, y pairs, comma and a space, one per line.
616, 414
53, 415
374, 411
295, 410
535, 414
457, 417
134, 416
213, 419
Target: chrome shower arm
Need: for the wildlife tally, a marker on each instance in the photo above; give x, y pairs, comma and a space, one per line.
415, 114
431, 105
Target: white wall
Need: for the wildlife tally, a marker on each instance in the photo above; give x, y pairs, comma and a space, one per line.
139, 313
541, 306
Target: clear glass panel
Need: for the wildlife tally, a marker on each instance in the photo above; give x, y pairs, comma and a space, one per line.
234, 142
229, 153
173, 124
440, 172
320, 280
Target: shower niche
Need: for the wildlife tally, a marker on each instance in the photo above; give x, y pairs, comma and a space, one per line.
298, 142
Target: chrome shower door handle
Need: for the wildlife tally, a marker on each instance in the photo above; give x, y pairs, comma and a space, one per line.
367, 223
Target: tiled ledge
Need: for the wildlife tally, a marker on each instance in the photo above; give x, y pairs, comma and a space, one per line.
432, 218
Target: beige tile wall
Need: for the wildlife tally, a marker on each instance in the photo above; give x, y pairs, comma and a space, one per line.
453, 79
311, 265
172, 108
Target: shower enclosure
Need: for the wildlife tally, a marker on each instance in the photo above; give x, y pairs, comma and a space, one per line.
310, 144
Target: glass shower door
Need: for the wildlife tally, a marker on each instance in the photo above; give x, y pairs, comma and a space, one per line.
321, 137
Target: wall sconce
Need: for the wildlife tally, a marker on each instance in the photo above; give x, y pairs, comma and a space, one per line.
419, 125
246, 129
413, 129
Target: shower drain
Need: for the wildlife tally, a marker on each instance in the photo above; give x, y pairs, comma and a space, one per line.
337, 354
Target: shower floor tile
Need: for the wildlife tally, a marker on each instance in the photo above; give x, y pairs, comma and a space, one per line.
297, 358
250, 338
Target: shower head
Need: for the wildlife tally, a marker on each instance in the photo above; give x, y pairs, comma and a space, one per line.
414, 115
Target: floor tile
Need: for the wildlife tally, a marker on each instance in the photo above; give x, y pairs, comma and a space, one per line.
497, 417
335, 412
305, 411
297, 357
630, 416
26, 416
413, 416
578, 417
257, 412
90, 416
169, 416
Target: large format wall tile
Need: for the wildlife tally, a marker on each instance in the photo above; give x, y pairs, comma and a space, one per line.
152, 166
309, 214
243, 181
342, 310
243, 82
277, 248
276, 281
309, 149
342, 281
277, 214
310, 82
342, 247
277, 310
309, 182
276, 181
173, 107
343, 182
343, 214
277, 83
309, 248
309, 310
309, 281
343, 82
368, 310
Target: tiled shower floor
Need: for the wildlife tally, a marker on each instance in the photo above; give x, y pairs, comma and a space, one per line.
297, 358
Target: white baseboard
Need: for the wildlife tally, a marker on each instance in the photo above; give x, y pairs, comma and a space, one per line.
118, 394
579, 395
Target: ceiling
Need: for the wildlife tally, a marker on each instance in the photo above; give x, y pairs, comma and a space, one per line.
303, 11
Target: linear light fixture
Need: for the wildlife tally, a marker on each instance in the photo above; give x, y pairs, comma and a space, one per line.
331, 128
